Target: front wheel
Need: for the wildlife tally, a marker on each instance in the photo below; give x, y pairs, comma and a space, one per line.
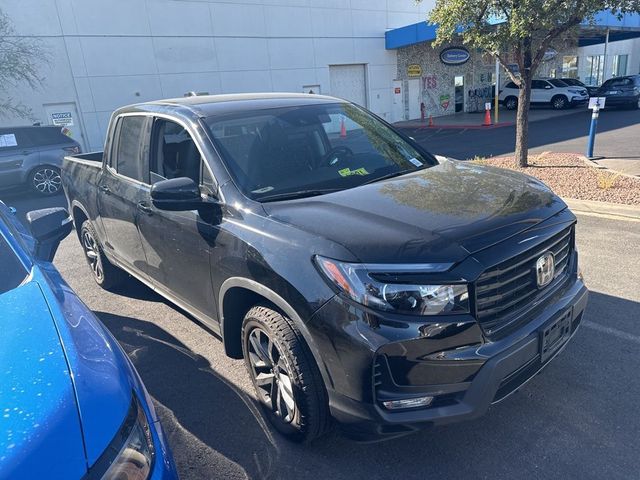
46, 180
104, 272
286, 378
559, 102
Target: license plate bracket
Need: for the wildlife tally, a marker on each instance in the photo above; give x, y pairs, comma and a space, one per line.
554, 335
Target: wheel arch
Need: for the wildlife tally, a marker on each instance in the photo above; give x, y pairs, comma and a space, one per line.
79, 215
237, 295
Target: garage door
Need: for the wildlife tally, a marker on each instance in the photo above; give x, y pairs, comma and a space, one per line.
348, 82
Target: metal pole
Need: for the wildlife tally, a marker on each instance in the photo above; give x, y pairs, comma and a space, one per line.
592, 131
606, 47
496, 102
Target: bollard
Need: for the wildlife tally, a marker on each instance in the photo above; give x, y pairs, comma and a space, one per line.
592, 129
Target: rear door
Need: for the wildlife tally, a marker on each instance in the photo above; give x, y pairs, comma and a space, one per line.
178, 244
120, 188
17, 154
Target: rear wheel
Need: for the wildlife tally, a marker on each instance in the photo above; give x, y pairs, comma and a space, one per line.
46, 180
104, 272
511, 103
286, 378
559, 102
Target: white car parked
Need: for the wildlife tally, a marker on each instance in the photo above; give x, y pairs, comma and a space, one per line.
550, 91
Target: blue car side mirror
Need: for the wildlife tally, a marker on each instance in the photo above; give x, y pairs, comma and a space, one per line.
48, 226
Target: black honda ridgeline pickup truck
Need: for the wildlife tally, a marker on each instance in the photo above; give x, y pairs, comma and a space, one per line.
361, 278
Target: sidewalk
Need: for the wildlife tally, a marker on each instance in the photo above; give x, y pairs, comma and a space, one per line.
506, 118
628, 165
614, 210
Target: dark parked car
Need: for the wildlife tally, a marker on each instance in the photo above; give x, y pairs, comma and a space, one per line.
621, 92
574, 82
73, 405
360, 277
31, 157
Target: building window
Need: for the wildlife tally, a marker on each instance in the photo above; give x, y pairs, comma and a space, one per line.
620, 65
594, 70
570, 66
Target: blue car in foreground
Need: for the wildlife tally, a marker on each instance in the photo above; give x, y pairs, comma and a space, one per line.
72, 405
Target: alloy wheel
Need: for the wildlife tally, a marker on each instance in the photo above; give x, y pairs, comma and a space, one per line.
272, 376
93, 254
47, 181
559, 103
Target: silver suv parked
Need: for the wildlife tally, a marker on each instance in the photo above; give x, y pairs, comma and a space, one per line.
31, 157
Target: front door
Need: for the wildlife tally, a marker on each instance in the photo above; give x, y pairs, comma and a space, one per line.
539, 91
178, 244
120, 187
459, 93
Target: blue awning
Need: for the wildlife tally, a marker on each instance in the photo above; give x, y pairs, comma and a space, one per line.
426, 32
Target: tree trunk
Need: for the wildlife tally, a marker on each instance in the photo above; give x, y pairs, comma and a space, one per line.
522, 119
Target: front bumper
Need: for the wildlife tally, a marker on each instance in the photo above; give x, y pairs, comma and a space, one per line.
464, 381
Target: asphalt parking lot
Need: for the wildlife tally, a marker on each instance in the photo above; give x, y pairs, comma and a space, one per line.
566, 134
577, 419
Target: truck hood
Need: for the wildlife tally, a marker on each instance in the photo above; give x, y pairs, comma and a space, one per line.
440, 214
41, 432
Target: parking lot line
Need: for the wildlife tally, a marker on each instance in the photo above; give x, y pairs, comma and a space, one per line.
611, 331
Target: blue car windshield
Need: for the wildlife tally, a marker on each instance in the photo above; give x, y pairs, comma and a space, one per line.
13, 272
305, 150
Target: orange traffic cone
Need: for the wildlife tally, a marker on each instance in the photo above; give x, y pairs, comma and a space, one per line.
430, 120
343, 129
487, 119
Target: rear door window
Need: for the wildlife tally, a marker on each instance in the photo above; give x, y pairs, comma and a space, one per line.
131, 148
43, 136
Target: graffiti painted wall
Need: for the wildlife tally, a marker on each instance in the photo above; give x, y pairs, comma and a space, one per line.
437, 80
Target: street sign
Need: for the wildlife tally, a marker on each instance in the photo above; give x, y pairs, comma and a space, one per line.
596, 102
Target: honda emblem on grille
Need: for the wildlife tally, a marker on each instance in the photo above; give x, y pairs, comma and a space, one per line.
545, 269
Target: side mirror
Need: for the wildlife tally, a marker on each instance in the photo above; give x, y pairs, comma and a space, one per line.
548, 87
176, 194
48, 227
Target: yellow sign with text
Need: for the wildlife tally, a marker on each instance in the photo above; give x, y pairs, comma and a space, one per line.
414, 70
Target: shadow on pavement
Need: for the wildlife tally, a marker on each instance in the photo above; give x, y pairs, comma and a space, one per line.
551, 428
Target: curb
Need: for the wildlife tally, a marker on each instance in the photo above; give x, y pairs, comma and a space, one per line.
617, 211
422, 126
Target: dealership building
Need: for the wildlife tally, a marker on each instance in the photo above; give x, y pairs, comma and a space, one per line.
105, 54
448, 79
377, 53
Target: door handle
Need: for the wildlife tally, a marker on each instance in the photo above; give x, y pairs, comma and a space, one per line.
105, 189
145, 208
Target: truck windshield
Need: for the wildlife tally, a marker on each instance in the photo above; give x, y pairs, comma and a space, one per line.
292, 152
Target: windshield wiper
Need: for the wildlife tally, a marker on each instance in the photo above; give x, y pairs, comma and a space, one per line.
297, 194
388, 175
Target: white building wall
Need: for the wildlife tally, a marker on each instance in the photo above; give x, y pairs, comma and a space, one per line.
110, 53
629, 47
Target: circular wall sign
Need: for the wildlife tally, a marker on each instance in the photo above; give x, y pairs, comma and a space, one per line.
454, 56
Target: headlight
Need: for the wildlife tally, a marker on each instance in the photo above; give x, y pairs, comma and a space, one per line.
358, 282
130, 454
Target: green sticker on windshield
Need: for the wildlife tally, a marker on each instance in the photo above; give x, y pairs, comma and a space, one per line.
346, 172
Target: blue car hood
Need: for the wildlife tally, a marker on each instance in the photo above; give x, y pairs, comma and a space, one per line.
40, 432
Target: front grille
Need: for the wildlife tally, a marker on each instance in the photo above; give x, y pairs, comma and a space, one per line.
509, 287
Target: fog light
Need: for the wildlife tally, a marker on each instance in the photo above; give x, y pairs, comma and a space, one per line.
408, 403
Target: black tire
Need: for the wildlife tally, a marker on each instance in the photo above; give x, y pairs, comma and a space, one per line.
286, 378
104, 272
559, 102
45, 180
510, 103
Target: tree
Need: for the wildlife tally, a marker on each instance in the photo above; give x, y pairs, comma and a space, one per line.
19, 61
519, 29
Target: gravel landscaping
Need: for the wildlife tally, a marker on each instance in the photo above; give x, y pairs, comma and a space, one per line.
569, 176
